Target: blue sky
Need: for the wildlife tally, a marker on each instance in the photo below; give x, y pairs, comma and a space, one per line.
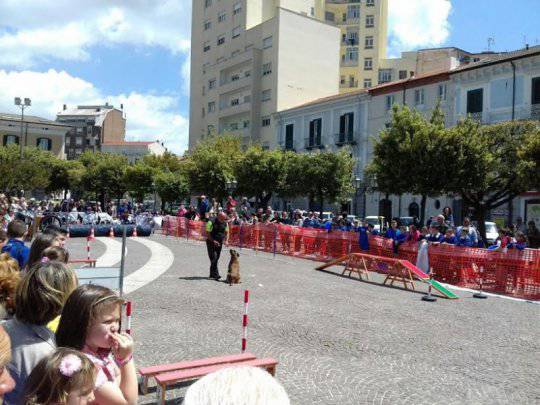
136, 52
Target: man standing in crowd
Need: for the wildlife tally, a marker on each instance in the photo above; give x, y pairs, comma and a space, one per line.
203, 207
16, 232
217, 232
472, 233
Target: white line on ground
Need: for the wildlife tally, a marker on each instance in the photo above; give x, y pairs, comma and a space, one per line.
160, 261
113, 252
453, 287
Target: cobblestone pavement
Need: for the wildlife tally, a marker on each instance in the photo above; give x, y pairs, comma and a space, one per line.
338, 340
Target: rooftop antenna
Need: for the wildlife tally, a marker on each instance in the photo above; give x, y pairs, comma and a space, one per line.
491, 42
525, 41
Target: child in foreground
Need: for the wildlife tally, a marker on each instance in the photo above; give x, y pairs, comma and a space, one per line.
66, 377
90, 323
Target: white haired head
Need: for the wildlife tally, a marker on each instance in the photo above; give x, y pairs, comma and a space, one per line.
237, 386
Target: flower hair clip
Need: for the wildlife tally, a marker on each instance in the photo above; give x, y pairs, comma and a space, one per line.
69, 365
45, 259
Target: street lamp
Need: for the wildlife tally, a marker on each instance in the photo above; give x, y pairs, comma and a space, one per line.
23, 104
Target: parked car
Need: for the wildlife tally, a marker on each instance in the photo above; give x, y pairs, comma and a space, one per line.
406, 221
377, 222
327, 216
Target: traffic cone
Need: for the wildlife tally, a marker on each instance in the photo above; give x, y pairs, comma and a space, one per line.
111, 232
134, 231
92, 235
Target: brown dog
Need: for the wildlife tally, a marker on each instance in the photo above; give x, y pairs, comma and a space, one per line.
233, 275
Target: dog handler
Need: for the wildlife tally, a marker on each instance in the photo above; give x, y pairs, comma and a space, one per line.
217, 231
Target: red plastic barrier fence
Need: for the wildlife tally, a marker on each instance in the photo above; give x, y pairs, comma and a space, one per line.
515, 273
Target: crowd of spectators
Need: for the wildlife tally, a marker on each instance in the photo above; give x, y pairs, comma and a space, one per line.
438, 229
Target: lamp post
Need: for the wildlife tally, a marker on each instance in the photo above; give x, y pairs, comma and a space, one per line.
23, 104
357, 183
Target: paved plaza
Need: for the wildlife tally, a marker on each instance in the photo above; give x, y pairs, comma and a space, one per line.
337, 340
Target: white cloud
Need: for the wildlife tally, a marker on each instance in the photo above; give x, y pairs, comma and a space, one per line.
415, 24
149, 116
31, 32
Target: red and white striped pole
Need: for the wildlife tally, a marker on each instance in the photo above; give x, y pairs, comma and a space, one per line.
128, 317
88, 248
245, 321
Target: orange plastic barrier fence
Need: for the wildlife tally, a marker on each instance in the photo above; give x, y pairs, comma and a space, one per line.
515, 273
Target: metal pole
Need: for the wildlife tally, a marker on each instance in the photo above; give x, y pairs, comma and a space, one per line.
122, 260
22, 132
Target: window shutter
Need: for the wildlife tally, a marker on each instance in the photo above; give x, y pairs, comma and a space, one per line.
350, 129
311, 132
319, 121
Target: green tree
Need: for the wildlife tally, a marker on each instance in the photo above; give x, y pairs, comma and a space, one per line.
65, 175
211, 164
493, 164
260, 174
411, 156
139, 179
166, 162
104, 174
171, 186
325, 176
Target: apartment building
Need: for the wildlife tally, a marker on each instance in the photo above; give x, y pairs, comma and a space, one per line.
364, 30
92, 126
251, 58
134, 151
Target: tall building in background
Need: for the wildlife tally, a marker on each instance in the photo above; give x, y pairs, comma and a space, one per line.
252, 58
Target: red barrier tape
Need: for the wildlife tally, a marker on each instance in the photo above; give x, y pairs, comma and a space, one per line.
514, 273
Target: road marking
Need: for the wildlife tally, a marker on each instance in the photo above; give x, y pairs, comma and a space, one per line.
161, 259
113, 252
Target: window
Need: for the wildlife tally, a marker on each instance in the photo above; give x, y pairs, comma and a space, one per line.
385, 75
221, 40
235, 77
289, 137
237, 8
265, 96
369, 42
203, 112
389, 102
222, 16
419, 96
328, 16
210, 129
402, 74
442, 92
351, 38
368, 64
211, 83
247, 73
346, 127
211, 106
342, 80
535, 91
315, 134
235, 101
353, 12
11, 140
236, 32
312, 11
475, 101
246, 124
206, 46
266, 121
367, 83
207, 25
267, 69
351, 54
267, 42
370, 21
207, 3
370, 3
234, 126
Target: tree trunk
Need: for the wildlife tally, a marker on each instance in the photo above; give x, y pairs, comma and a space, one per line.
321, 199
423, 210
265, 199
481, 218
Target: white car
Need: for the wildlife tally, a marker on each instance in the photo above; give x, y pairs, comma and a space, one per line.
375, 221
491, 232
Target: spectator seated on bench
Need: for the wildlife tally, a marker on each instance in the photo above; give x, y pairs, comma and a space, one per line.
237, 385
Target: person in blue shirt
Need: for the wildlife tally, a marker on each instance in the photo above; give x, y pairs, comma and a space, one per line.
464, 239
449, 237
363, 238
434, 234
395, 234
520, 242
203, 207
372, 230
15, 247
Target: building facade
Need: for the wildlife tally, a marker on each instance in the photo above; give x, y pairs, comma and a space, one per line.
251, 58
92, 126
37, 132
134, 150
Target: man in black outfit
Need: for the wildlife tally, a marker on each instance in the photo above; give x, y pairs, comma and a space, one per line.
217, 231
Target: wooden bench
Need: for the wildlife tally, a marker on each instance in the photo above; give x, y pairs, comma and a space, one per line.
151, 371
167, 379
90, 262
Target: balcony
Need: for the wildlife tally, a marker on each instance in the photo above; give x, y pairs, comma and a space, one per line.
310, 144
348, 21
345, 138
349, 62
227, 109
349, 85
535, 111
349, 42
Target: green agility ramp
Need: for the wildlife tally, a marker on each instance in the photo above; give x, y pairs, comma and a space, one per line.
425, 278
